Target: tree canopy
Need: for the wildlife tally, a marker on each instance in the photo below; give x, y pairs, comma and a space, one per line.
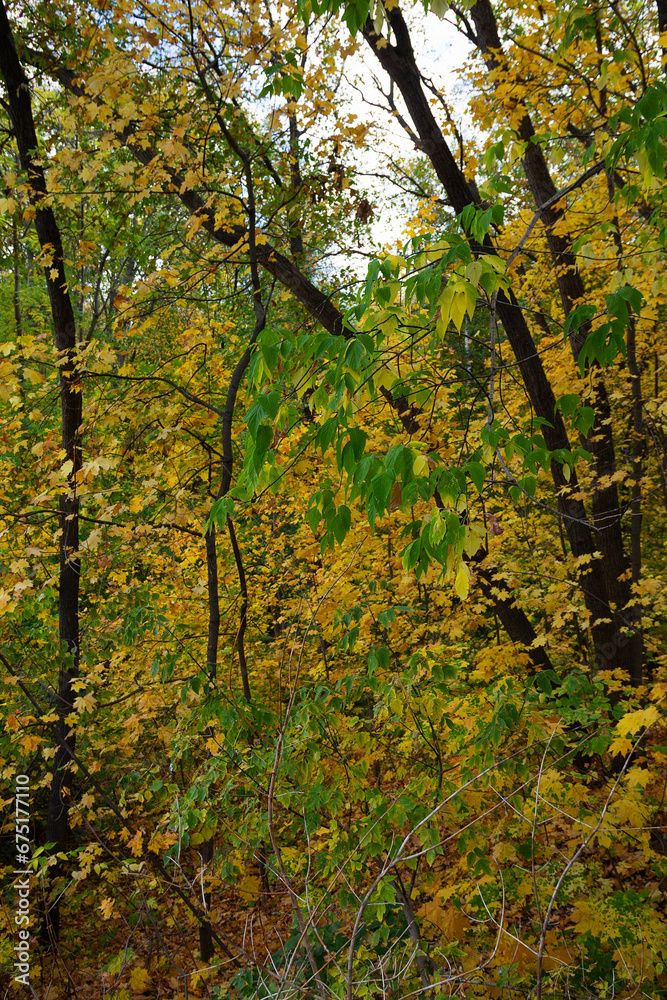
333, 617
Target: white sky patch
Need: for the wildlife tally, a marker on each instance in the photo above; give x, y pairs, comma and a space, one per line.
440, 52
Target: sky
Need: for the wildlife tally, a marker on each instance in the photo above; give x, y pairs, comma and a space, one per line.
441, 52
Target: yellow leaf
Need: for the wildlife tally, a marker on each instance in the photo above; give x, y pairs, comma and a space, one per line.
139, 980
385, 377
160, 841
84, 703
473, 271
633, 722
458, 308
638, 777
249, 887
420, 466
620, 745
396, 706
475, 537
495, 262
135, 844
30, 742
462, 582
658, 692
106, 907
445, 304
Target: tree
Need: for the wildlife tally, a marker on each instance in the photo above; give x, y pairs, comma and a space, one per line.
436, 722
62, 312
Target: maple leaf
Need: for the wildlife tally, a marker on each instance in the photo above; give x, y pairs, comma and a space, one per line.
135, 844
161, 840
139, 980
85, 703
633, 722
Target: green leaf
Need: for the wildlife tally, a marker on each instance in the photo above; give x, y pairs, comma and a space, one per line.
477, 473
568, 404
341, 523
262, 444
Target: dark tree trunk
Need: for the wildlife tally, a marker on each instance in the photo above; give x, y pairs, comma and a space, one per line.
207, 848
605, 501
661, 6
515, 622
295, 238
398, 60
48, 232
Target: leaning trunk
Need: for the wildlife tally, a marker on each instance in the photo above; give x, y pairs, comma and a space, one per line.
398, 60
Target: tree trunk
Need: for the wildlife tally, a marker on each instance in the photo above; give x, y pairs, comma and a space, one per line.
606, 507
48, 232
207, 848
398, 60
661, 7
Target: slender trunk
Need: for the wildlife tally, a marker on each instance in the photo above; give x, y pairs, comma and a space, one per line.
16, 291
207, 848
243, 614
636, 652
16, 302
422, 961
295, 239
213, 605
62, 313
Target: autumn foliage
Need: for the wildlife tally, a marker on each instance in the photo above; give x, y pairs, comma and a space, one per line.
332, 607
